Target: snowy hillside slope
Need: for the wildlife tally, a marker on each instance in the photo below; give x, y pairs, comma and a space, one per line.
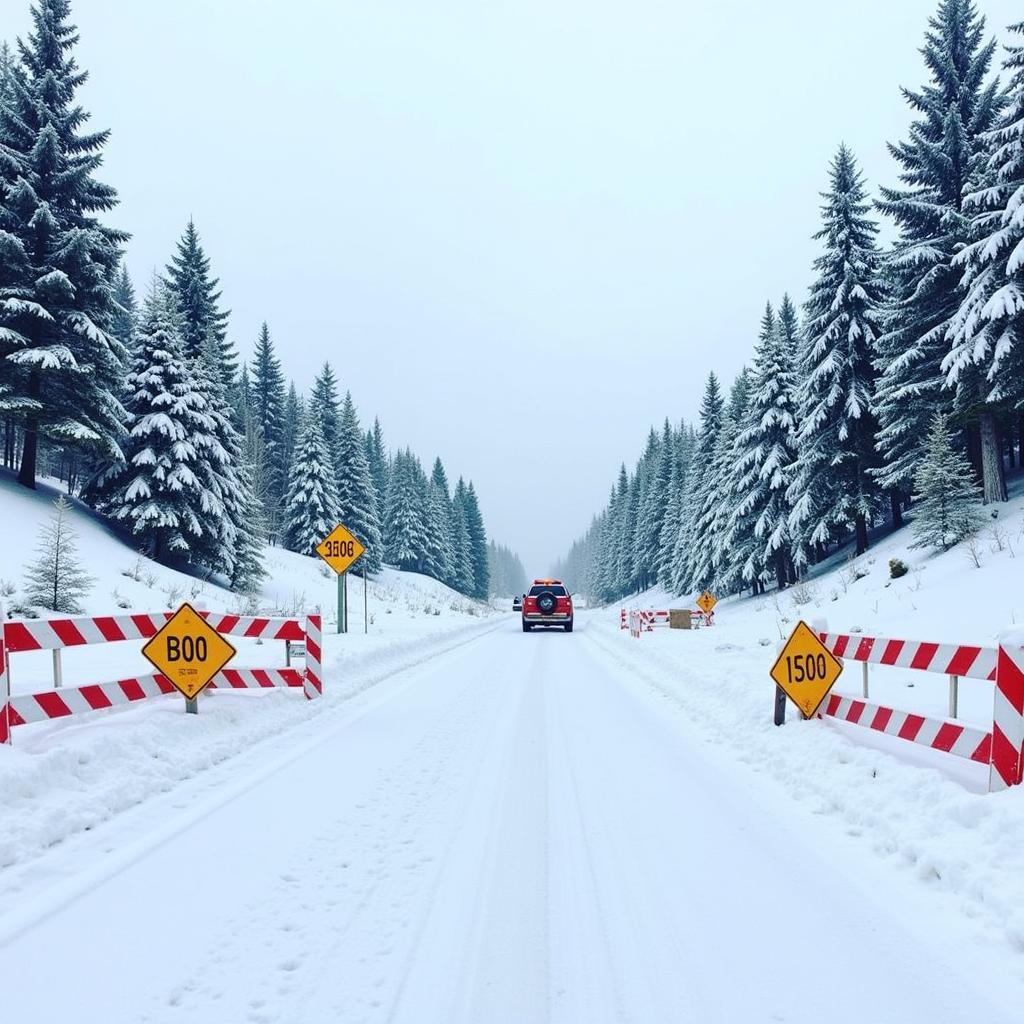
945, 595
61, 777
127, 581
917, 810
971, 594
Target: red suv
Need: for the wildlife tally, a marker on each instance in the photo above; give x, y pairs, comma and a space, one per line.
547, 604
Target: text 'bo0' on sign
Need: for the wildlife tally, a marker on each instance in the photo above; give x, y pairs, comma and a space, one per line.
188, 651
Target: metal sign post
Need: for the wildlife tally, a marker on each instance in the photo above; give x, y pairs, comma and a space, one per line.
366, 604
341, 549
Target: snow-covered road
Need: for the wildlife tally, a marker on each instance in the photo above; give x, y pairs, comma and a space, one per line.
515, 831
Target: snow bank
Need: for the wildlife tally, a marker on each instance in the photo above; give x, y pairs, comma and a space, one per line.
66, 776
921, 811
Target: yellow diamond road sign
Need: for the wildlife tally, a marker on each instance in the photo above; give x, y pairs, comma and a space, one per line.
806, 669
188, 651
706, 602
340, 549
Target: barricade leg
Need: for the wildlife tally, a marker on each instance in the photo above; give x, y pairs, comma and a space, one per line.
313, 681
5, 686
1007, 766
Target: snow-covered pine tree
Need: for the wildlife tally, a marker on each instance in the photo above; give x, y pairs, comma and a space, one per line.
603, 581
231, 542
465, 564
711, 560
294, 415
652, 512
442, 510
56, 579
357, 496
242, 400
62, 365
590, 548
620, 566
122, 324
323, 402
739, 394
310, 506
766, 455
405, 514
731, 536
477, 545
943, 151
833, 488
440, 554
378, 459
248, 571
254, 457
684, 443
688, 539
947, 503
986, 360
156, 491
267, 407
199, 306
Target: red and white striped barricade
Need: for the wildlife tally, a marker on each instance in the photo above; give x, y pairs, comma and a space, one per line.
1002, 748
57, 634
654, 618
5, 688
660, 618
648, 619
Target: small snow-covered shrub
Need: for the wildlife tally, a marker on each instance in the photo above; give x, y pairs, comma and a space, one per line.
857, 571
973, 552
135, 572
801, 593
998, 537
897, 568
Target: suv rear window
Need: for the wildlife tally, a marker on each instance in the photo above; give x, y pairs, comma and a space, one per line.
557, 591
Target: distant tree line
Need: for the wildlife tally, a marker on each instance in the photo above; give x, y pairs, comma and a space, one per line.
144, 408
508, 577
904, 363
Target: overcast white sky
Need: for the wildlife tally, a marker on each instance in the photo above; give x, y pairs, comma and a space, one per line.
522, 232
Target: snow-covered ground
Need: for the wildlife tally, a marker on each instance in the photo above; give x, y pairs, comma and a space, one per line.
68, 775
481, 825
919, 811
520, 830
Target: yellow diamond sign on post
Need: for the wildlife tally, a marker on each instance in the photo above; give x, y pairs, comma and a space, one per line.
706, 602
806, 669
188, 651
340, 549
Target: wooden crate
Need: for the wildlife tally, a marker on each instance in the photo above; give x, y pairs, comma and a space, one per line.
680, 618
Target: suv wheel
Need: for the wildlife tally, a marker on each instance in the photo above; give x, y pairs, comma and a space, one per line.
568, 626
547, 603
527, 627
